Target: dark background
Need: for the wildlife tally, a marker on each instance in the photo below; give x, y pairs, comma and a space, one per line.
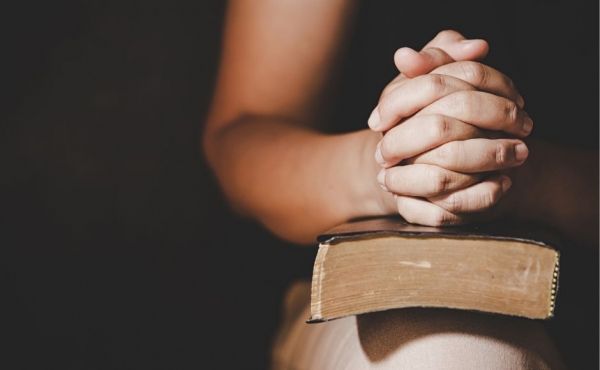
117, 249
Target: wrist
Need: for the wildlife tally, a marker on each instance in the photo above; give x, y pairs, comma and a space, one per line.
377, 201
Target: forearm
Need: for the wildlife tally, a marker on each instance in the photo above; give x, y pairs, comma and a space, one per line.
559, 187
296, 181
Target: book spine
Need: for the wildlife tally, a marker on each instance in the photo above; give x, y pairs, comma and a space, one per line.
317, 279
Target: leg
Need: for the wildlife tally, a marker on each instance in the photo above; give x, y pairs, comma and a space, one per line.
413, 339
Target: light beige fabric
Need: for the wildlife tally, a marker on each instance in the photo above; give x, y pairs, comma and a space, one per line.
409, 339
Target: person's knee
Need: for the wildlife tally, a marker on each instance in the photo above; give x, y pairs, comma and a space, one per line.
415, 339
450, 339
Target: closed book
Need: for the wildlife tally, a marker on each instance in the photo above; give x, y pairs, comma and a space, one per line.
386, 263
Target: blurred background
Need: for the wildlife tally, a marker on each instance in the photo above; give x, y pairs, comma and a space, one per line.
117, 248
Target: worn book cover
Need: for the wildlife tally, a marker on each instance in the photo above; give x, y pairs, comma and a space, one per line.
386, 263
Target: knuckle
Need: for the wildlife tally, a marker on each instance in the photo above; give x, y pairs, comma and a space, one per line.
453, 203
439, 218
440, 181
489, 198
511, 111
501, 154
474, 72
439, 127
435, 84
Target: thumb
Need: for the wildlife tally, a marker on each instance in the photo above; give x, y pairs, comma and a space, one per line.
412, 63
458, 47
446, 47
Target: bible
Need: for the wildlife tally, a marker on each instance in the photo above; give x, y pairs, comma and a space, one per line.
386, 263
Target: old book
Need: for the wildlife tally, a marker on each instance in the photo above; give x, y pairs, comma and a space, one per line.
384, 263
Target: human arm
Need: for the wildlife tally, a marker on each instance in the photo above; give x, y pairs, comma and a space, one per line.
258, 139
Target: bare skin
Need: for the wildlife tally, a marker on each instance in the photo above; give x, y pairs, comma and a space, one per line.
275, 166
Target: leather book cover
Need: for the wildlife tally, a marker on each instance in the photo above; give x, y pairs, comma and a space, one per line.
530, 233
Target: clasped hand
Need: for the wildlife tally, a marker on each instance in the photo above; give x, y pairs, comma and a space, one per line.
452, 127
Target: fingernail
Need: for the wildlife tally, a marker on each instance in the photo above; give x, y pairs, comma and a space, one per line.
520, 101
378, 155
506, 183
521, 152
374, 119
527, 125
381, 180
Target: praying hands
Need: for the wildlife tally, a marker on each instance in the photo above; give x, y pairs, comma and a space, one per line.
450, 132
